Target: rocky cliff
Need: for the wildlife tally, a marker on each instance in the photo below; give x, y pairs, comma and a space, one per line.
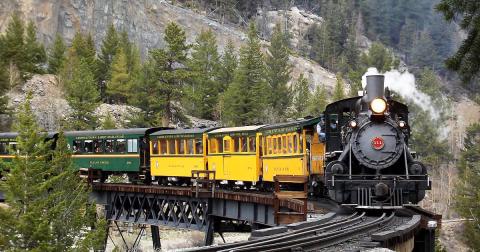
145, 21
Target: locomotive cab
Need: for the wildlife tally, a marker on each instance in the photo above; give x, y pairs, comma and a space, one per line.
368, 159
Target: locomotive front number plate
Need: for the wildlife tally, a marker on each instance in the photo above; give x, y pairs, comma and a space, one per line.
378, 143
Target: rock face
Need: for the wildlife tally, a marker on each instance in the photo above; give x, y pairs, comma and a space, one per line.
145, 21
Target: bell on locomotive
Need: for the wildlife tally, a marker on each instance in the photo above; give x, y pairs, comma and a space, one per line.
373, 165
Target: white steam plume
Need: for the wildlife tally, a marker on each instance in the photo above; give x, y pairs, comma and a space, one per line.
404, 84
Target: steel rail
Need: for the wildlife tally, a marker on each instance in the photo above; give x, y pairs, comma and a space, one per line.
308, 231
324, 239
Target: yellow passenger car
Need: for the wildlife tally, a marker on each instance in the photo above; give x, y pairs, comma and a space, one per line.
293, 148
234, 154
175, 153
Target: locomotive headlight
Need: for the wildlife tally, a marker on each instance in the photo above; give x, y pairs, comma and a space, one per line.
402, 124
353, 123
378, 105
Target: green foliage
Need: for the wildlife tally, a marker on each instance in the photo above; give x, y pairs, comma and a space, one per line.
48, 203
302, 97
82, 96
20, 51
318, 101
228, 66
379, 57
118, 87
424, 53
110, 44
244, 101
278, 69
465, 61
35, 55
204, 87
468, 187
131, 52
56, 55
108, 122
160, 84
83, 48
339, 90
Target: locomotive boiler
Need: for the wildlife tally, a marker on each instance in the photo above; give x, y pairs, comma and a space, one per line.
368, 159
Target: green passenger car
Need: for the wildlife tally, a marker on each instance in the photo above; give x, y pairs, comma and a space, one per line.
108, 152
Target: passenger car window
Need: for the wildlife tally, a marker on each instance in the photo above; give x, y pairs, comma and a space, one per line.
88, 146
295, 143
226, 145
155, 147
77, 146
236, 144
120, 148
109, 145
270, 147
189, 146
284, 144
163, 146
132, 145
98, 146
251, 144
198, 146
181, 146
171, 146
244, 144
3, 148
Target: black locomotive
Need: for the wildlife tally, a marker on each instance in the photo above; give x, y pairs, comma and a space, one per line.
368, 159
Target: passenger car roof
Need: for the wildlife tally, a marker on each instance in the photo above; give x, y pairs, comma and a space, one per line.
135, 131
292, 126
184, 132
234, 130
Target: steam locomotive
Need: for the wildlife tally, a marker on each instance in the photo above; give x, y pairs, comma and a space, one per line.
368, 162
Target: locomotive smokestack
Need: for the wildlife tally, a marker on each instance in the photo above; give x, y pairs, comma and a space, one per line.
374, 88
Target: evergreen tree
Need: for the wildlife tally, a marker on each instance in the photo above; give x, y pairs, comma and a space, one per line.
119, 85
204, 87
424, 53
45, 195
379, 57
83, 48
160, 85
35, 55
82, 96
12, 51
339, 90
3, 89
302, 97
278, 71
110, 44
228, 66
318, 101
131, 52
408, 36
466, 60
56, 56
244, 101
108, 122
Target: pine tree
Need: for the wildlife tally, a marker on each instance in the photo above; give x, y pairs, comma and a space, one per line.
465, 61
379, 57
339, 90
164, 76
82, 96
204, 87
424, 53
278, 71
83, 48
132, 53
56, 56
110, 44
244, 101
119, 85
46, 196
3, 89
302, 97
228, 66
35, 55
108, 122
13, 43
318, 101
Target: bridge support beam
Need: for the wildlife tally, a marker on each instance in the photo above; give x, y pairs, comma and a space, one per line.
156, 238
209, 231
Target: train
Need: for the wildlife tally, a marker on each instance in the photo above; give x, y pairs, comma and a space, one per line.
356, 152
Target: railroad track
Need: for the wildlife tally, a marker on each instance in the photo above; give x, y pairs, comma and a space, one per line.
310, 238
